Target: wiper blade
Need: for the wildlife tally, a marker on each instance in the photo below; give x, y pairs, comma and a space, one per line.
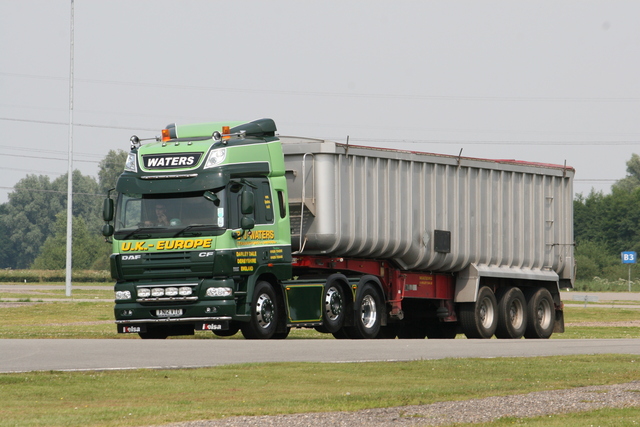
140, 230
189, 227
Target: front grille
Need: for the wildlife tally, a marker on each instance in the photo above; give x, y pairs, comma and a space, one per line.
167, 264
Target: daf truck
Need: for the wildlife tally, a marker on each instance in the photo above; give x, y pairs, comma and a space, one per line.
229, 227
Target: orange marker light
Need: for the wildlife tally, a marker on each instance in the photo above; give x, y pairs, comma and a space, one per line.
165, 135
225, 132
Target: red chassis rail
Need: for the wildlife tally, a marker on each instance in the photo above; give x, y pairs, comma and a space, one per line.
398, 284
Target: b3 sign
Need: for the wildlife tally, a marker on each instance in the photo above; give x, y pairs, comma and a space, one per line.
628, 257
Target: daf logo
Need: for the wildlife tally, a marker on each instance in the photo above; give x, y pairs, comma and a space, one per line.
205, 254
130, 257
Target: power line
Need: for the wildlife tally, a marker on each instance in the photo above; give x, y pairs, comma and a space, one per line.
48, 122
338, 94
47, 158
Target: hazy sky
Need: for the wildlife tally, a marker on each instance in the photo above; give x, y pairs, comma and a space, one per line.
546, 81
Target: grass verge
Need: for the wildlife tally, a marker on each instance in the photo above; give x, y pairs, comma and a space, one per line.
146, 397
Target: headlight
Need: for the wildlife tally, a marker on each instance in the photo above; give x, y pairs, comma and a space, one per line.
171, 292
219, 292
216, 157
185, 291
144, 292
157, 292
131, 165
123, 295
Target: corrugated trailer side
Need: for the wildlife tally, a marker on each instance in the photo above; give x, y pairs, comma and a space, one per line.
428, 212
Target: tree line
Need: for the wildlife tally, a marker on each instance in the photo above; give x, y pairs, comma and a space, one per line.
606, 225
33, 222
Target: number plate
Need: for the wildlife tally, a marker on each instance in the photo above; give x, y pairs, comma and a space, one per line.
172, 312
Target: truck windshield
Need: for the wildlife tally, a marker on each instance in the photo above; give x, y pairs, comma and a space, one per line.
170, 214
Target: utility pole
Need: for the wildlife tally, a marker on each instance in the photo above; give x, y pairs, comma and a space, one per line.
70, 172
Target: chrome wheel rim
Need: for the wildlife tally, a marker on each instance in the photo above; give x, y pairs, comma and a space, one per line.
368, 311
264, 310
332, 304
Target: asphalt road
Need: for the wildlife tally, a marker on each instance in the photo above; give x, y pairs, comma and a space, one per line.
73, 355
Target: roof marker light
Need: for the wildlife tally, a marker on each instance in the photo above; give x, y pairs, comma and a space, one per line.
165, 135
225, 132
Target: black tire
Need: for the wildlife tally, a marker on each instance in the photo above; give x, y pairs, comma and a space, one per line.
479, 319
367, 314
333, 307
281, 335
540, 314
512, 314
342, 334
264, 314
442, 330
234, 327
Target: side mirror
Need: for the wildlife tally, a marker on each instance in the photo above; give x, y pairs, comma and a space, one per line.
247, 223
246, 202
212, 197
107, 230
107, 210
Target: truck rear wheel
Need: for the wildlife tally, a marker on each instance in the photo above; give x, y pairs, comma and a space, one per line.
540, 314
367, 314
479, 319
333, 309
512, 314
264, 313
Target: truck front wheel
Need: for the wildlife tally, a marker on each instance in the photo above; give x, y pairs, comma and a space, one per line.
479, 319
264, 313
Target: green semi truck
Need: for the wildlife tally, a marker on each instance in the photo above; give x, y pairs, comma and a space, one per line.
229, 227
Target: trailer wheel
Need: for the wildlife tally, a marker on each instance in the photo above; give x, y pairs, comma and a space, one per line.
333, 309
512, 314
368, 314
264, 313
540, 314
479, 319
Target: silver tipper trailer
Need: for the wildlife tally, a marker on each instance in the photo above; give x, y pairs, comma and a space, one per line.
474, 218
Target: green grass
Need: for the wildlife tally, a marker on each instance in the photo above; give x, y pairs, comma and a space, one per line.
144, 397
